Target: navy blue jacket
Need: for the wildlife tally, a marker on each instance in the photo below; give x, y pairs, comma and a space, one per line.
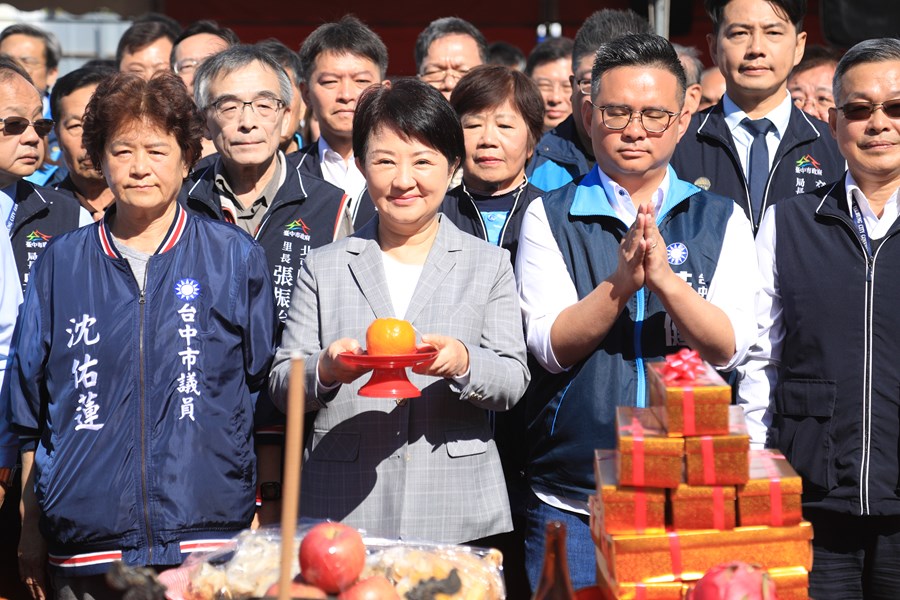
143, 401
307, 161
836, 398
558, 158
304, 214
463, 211
41, 215
807, 159
570, 414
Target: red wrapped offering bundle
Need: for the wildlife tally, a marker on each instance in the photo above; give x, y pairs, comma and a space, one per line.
703, 507
720, 459
687, 555
623, 509
772, 495
694, 397
647, 456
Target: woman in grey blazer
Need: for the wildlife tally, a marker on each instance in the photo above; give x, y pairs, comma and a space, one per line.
426, 468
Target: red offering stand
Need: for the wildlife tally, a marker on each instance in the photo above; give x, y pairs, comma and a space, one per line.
389, 378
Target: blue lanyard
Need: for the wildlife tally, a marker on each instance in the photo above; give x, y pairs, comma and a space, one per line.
861, 229
11, 218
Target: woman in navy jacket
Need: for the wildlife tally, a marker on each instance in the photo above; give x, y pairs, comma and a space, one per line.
140, 348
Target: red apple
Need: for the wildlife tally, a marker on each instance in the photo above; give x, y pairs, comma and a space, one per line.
377, 587
332, 556
299, 589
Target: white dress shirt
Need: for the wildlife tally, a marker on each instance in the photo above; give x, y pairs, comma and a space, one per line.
343, 174
759, 374
546, 289
780, 116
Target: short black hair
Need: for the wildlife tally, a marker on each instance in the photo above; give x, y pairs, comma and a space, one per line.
504, 53
448, 26
204, 26
794, 10
414, 110
349, 35
52, 49
143, 33
815, 55
74, 81
289, 59
638, 50
548, 51
604, 26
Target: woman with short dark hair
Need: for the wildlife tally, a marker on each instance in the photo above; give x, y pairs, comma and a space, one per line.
141, 346
426, 467
501, 111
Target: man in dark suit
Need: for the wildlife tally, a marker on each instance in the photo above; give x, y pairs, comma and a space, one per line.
339, 60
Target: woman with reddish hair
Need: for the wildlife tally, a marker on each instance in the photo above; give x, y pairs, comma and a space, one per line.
139, 350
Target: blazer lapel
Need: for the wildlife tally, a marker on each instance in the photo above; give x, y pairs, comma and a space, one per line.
368, 270
441, 260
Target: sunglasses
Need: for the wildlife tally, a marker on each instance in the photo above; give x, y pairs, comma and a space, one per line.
18, 125
861, 111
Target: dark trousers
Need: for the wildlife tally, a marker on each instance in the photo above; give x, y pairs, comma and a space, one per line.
854, 556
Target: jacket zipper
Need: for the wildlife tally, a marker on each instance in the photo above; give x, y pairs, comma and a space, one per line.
867, 374
144, 484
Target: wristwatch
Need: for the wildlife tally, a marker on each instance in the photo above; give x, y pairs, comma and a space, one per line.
7, 474
270, 490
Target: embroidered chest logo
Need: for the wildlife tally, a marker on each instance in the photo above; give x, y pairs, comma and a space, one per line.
36, 239
676, 253
298, 229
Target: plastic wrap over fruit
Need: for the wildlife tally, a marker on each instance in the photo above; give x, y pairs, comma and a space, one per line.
248, 568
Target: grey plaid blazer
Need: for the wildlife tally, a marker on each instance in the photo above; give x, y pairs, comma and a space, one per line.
427, 469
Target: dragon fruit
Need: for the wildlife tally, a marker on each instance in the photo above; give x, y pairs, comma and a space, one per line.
735, 581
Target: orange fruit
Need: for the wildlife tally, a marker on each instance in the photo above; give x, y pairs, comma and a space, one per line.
390, 337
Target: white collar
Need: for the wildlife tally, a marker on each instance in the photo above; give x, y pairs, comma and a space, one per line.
327, 154
620, 200
780, 115
853, 191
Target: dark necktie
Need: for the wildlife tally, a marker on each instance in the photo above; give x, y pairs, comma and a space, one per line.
759, 164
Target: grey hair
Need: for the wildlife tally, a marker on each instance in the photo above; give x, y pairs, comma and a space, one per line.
690, 60
231, 59
868, 51
52, 49
448, 26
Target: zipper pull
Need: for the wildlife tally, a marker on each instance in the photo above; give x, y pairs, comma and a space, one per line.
870, 266
142, 298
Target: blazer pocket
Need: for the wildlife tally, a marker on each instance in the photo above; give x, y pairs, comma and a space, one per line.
804, 410
331, 446
465, 442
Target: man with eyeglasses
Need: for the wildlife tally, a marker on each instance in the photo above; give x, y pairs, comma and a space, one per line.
38, 52
550, 66
564, 153
32, 214
822, 387
199, 41
245, 94
626, 266
810, 82
755, 146
446, 50
339, 60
